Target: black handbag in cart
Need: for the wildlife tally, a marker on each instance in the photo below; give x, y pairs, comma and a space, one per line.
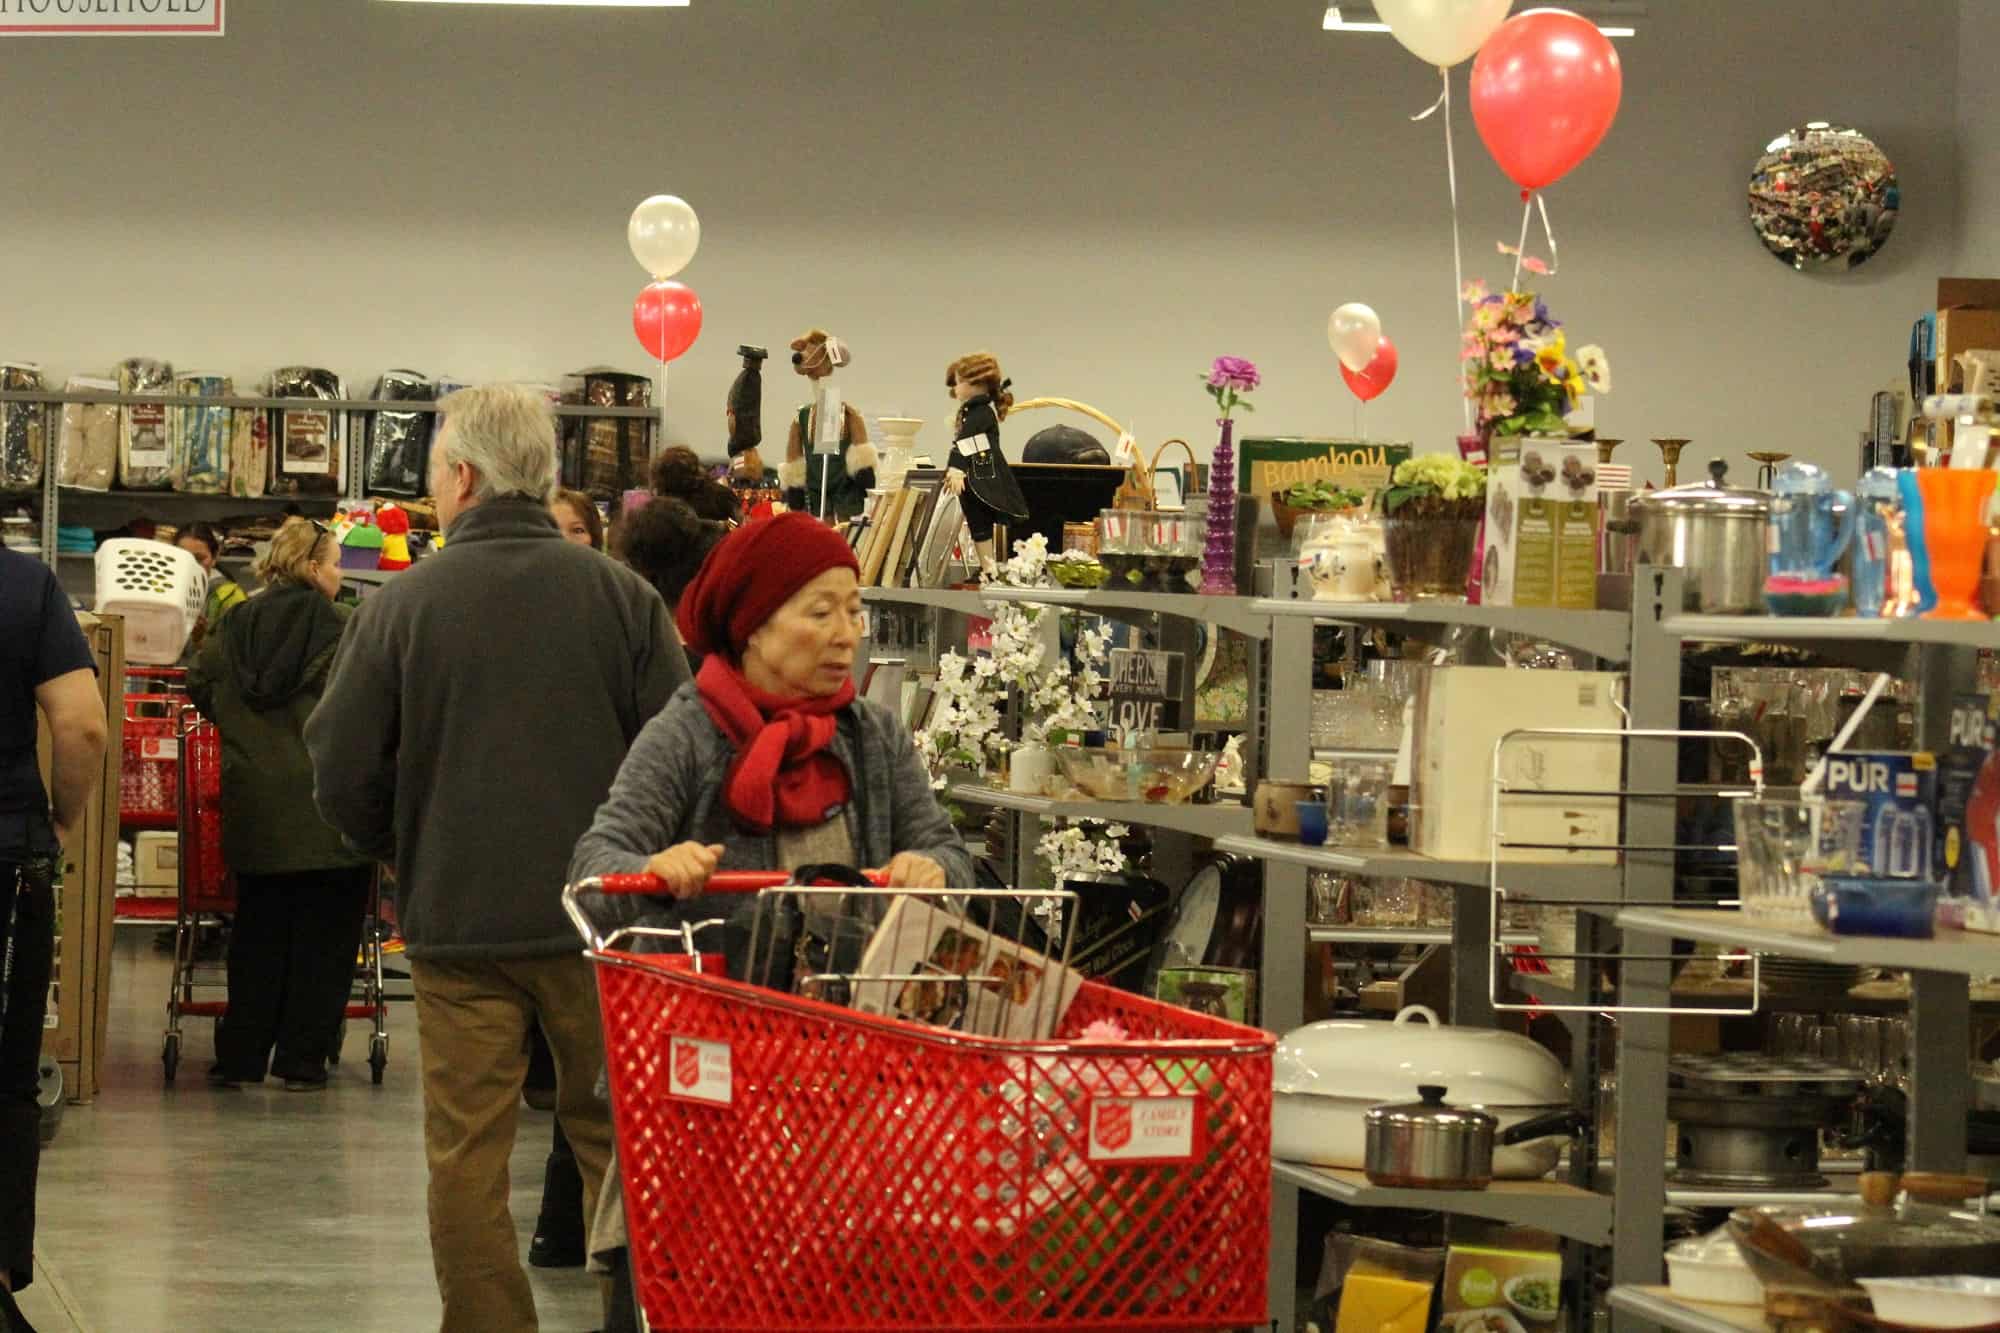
398, 456
606, 456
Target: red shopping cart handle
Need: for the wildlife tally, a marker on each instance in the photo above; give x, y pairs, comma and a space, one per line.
722, 881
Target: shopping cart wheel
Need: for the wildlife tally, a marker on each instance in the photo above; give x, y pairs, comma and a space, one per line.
378, 1057
170, 1056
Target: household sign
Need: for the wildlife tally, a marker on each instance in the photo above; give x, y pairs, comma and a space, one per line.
1146, 689
111, 18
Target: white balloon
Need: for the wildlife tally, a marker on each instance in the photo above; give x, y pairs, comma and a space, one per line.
664, 233
1354, 332
1442, 32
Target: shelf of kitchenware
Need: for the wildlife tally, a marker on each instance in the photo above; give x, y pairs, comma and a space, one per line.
1670, 1311
1812, 630
1234, 613
1399, 935
1550, 1205
1955, 951
1602, 634
1552, 882
1207, 821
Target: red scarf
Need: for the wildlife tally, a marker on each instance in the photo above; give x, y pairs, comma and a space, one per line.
784, 775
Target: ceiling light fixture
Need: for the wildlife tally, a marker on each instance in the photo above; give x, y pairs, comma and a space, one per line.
1612, 19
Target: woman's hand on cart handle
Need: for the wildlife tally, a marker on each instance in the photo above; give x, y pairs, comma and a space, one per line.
685, 867
911, 870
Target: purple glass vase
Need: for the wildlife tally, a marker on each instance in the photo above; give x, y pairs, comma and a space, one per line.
1218, 557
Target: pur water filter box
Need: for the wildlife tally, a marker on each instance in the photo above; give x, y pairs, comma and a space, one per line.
1880, 817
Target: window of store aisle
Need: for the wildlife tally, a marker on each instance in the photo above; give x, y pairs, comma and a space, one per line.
258, 1209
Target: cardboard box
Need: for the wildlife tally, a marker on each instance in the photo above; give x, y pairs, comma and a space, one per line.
1461, 712
1541, 525
1496, 1291
156, 862
1957, 864
80, 994
1880, 819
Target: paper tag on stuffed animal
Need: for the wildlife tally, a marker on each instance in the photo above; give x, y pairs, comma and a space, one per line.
829, 419
972, 446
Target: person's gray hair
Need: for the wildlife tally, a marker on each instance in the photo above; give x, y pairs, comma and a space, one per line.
507, 434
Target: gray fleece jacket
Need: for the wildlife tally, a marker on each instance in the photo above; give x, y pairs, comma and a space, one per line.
478, 709
670, 791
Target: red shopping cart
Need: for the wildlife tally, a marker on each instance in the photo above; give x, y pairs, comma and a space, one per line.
789, 1163
205, 892
148, 780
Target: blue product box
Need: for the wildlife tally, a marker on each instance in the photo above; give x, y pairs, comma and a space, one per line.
1880, 819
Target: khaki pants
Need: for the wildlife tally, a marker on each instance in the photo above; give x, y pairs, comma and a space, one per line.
473, 1020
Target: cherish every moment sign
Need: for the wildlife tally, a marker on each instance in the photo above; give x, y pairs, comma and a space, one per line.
111, 18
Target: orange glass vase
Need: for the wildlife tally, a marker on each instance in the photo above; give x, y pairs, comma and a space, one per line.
1955, 502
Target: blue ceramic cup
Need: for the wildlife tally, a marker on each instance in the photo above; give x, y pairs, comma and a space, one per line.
1312, 822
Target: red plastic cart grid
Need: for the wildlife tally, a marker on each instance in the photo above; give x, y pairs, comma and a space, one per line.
792, 1164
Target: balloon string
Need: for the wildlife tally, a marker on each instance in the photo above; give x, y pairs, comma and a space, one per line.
1542, 203
1457, 249
1527, 211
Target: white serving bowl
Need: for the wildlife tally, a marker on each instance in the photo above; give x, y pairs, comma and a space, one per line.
1935, 1302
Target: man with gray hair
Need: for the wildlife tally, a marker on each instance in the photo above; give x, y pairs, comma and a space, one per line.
476, 713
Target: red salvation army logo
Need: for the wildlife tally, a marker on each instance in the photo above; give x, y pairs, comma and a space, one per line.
687, 1063
1113, 1125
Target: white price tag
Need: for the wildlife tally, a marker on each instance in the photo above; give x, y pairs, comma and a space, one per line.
1132, 1130
160, 747
699, 1071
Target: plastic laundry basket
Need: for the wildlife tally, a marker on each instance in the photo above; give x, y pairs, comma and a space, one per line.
158, 589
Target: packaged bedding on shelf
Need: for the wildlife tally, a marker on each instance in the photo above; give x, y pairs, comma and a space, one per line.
399, 443
606, 456
309, 444
249, 452
202, 435
145, 444
87, 443
24, 429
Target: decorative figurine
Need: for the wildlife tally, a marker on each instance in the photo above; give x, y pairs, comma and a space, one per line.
977, 472
745, 413
829, 464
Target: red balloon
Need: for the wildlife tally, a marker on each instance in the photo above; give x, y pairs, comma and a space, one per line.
1545, 90
1369, 382
667, 318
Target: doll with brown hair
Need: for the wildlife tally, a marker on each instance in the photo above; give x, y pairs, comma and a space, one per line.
977, 472
829, 464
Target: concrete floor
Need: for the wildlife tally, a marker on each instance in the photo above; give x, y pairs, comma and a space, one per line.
167, 1210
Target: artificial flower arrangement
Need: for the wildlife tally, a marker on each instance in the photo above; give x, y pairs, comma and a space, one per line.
1230, 382
1434, 486
1519, 372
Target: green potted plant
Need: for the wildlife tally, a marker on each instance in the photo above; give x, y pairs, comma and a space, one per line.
1313, 497
1430, 524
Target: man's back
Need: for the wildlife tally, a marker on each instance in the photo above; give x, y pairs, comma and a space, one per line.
38, 641
478, 712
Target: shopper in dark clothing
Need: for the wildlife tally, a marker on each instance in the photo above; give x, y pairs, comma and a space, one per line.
480, 706
665, 542
300, 892
45, 662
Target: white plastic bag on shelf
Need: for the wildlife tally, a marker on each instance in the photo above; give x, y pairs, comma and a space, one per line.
87, 445
145, 440
249, 452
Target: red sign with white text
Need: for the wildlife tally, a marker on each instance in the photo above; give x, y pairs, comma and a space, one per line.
1133, 1131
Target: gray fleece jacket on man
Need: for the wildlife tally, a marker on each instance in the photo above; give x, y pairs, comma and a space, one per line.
477, 711
670, 791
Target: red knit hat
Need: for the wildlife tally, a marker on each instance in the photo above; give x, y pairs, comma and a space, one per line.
751, 573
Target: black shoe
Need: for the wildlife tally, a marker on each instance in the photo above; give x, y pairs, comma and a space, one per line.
305, 1085
551, 1251
218, 1077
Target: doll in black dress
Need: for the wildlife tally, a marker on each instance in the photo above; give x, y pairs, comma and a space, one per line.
977, 472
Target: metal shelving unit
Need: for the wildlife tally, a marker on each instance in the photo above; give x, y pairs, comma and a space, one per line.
1656, 1307
1397, 935
1602, 634
1206, 821
1567, 1211
1962, 952
1553, 881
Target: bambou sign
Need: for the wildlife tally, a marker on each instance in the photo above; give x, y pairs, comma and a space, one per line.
1278, 463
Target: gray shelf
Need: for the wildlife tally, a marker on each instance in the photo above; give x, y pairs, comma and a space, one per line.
1602, 634
1235, 613
295, 404
1954, 951
1398, 935
1547, 1204
1656, 1304
77, 494
1553, 882
1207, 821
1812, 631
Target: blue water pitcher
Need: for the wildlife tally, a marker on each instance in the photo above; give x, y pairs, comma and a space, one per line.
1880, 501
1811, 523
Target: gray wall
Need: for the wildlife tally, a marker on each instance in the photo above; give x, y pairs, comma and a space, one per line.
1107, 193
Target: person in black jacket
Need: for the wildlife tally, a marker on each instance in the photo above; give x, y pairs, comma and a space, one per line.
977, 471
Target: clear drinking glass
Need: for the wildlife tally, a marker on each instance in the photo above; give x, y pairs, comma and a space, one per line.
1775, 841
1358, 803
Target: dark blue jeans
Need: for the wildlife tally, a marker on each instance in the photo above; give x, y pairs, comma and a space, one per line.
27, 901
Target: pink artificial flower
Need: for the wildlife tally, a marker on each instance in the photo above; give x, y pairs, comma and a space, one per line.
1498, 403
1470, 348
1502, 360
1487, 318
1105, 1029
1519, 305
1233, 372
1474, 293
1534, 265
1504, 335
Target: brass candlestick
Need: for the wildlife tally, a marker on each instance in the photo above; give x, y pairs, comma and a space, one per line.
1605, 448
1670, 454
1767, 466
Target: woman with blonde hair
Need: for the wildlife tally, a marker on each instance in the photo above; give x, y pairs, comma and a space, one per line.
301, 894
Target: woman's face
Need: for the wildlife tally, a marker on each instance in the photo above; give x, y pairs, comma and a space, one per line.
574, 529
323, 570
806, 649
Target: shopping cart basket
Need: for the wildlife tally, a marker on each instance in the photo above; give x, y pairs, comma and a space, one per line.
206, 891
148, 779
789, 1163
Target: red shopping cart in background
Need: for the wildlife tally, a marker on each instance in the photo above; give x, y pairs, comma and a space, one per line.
789, 1163
149, 781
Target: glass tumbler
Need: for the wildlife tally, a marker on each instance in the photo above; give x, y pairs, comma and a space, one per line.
1358, 804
